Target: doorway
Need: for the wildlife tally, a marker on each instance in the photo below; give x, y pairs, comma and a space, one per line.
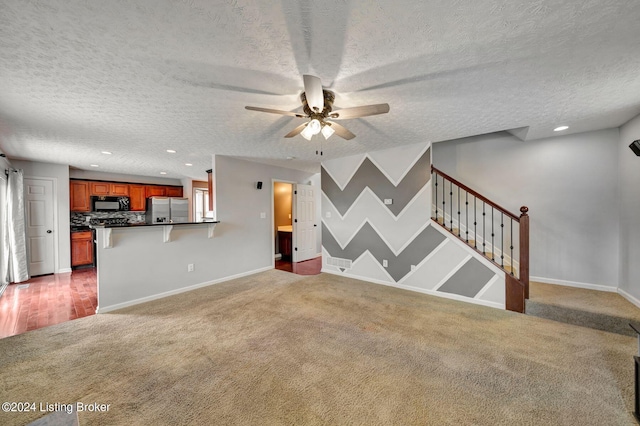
283, 223
294, 228
40, 222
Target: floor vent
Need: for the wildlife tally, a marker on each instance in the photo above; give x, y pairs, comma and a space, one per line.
22, 286
340, 263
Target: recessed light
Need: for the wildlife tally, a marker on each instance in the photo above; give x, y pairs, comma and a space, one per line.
171, 151
106, 152
163, 173
94, 165
188, 164
561, 128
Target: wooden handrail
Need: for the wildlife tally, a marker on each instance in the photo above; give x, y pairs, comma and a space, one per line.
517, 288
476, 194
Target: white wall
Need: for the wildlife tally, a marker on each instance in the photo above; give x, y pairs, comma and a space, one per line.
60, 175
315, 181
141, 267
118, 177
570, 185
629, 166
239, 204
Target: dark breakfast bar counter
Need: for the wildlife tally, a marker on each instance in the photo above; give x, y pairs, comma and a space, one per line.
137, 225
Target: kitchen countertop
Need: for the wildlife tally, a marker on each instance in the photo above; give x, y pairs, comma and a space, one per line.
138, 225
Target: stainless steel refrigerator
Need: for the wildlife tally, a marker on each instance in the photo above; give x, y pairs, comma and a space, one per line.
167, 210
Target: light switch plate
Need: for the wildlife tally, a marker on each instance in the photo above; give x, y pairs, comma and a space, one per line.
388, 200
263, 215
385, 263
327, 214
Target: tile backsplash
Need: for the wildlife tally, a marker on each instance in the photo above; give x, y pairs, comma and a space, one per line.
81, 219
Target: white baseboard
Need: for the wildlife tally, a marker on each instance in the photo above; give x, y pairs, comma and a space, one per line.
277, 256
629, 297
587, 286
420, 290
100, 310
63, 270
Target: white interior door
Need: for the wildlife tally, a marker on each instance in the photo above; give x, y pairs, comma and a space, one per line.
38, 198
304, 223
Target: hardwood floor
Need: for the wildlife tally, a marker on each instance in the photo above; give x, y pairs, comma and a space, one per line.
308, 267
50, 299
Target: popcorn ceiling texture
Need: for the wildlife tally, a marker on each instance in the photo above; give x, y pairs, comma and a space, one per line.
139, 77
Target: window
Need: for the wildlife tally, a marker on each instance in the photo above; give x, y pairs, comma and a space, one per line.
201, 204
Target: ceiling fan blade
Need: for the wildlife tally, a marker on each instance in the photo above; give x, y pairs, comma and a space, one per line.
357, 112
342, 131
276, 111
296, 131
313, 92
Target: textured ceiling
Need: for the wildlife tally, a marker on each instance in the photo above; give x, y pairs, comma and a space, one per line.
139, 77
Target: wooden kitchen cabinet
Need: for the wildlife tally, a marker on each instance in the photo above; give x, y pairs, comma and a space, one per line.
119, 189
109, 188
100, 188
137, 197
82, 248
174, 191
79, 196
155, 191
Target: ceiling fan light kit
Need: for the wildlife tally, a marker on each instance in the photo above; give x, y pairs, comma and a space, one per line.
317, 105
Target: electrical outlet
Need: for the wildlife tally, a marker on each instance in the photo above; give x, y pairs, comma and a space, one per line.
190, 267
385, 263
413, 267
388, 200
327, 214
263, 215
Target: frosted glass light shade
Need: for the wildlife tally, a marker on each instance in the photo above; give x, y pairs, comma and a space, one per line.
327, 131
307, 133
314, 126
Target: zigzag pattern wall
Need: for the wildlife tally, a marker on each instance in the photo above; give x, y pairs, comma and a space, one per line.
359, 226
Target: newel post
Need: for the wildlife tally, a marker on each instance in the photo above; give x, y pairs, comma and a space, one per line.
524, 249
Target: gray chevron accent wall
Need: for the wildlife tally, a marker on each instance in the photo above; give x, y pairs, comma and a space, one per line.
369, 175
397, 244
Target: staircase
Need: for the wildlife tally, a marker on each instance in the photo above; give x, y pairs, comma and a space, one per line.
499, 235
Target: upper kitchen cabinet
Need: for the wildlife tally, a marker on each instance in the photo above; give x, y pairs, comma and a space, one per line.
174, 191
156, 191
137, 198
119, 189
79, 196
99, 188
109, 188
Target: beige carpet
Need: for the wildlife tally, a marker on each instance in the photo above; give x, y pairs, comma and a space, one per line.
587, 308
279, 348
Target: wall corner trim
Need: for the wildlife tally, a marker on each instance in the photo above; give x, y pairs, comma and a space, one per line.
576, 284
629, 297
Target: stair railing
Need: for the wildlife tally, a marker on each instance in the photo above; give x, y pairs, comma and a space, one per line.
495, 232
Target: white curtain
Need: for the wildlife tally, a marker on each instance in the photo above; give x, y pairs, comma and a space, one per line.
14, 246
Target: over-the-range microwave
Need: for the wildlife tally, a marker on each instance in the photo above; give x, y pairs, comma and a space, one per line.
109, 204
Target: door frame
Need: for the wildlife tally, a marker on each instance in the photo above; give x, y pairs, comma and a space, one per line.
56, 236
273, 215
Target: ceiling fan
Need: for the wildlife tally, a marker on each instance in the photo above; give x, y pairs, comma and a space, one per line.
317, 105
